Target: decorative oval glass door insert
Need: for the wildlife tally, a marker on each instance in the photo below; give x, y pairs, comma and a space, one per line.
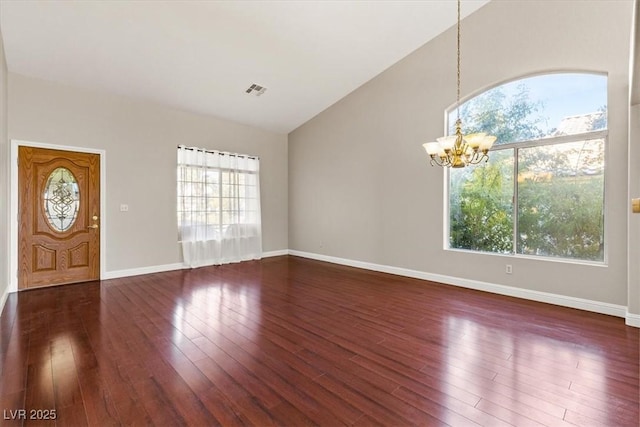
61, 199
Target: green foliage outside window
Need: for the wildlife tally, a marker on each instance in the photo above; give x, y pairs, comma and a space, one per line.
511, 118
561, 209
480, 201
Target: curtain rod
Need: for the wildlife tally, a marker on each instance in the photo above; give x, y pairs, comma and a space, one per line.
222, 153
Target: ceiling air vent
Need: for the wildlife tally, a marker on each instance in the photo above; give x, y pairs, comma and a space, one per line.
256, 90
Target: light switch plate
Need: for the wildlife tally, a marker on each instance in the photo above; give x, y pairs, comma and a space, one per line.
635, 205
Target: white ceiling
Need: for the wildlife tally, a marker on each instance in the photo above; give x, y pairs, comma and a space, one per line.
200, 56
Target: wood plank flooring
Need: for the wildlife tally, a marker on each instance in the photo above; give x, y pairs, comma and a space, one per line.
294, 342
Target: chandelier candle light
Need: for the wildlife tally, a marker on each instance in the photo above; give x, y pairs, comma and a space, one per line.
458, 151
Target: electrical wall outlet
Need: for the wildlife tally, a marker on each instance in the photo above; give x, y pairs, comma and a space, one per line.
124, 208
509, 269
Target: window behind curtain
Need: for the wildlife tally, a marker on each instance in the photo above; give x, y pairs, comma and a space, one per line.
542, 191
218, 207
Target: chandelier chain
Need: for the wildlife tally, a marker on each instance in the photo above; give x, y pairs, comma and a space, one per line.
459, 150
458, 83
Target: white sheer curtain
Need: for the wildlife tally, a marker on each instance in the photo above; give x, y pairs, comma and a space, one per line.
218, 207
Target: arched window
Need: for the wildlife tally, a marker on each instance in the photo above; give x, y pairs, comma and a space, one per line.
542, 191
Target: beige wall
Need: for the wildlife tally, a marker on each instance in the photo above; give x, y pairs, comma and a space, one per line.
634, 218
140, 139
634, 171
4, 178
360, 186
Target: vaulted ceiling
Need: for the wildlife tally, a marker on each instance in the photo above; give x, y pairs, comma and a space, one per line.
201, 56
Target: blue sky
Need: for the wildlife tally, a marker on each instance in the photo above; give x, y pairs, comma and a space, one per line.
567, 94
563, 94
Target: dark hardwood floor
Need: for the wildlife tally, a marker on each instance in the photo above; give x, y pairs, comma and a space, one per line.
290, 341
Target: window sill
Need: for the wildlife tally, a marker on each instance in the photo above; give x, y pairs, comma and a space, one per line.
534, 258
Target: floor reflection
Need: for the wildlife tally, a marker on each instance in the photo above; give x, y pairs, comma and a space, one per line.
548, 372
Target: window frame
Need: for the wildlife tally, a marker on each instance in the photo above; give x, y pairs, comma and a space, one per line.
515, 146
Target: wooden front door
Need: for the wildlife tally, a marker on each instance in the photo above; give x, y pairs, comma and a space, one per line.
59, 208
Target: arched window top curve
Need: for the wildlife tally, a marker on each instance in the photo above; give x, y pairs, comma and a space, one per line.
536, 107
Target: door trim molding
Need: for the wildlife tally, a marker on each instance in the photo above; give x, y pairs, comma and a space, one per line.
12, 248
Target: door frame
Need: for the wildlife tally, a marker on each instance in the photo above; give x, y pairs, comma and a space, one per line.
12, 250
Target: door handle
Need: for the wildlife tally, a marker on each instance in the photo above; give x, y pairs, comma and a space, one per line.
93, 226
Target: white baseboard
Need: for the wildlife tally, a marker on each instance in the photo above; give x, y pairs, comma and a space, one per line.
633, 320
275, 253
561, 300
116, 274
3, 300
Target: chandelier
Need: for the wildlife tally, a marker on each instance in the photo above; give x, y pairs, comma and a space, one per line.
458, 150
